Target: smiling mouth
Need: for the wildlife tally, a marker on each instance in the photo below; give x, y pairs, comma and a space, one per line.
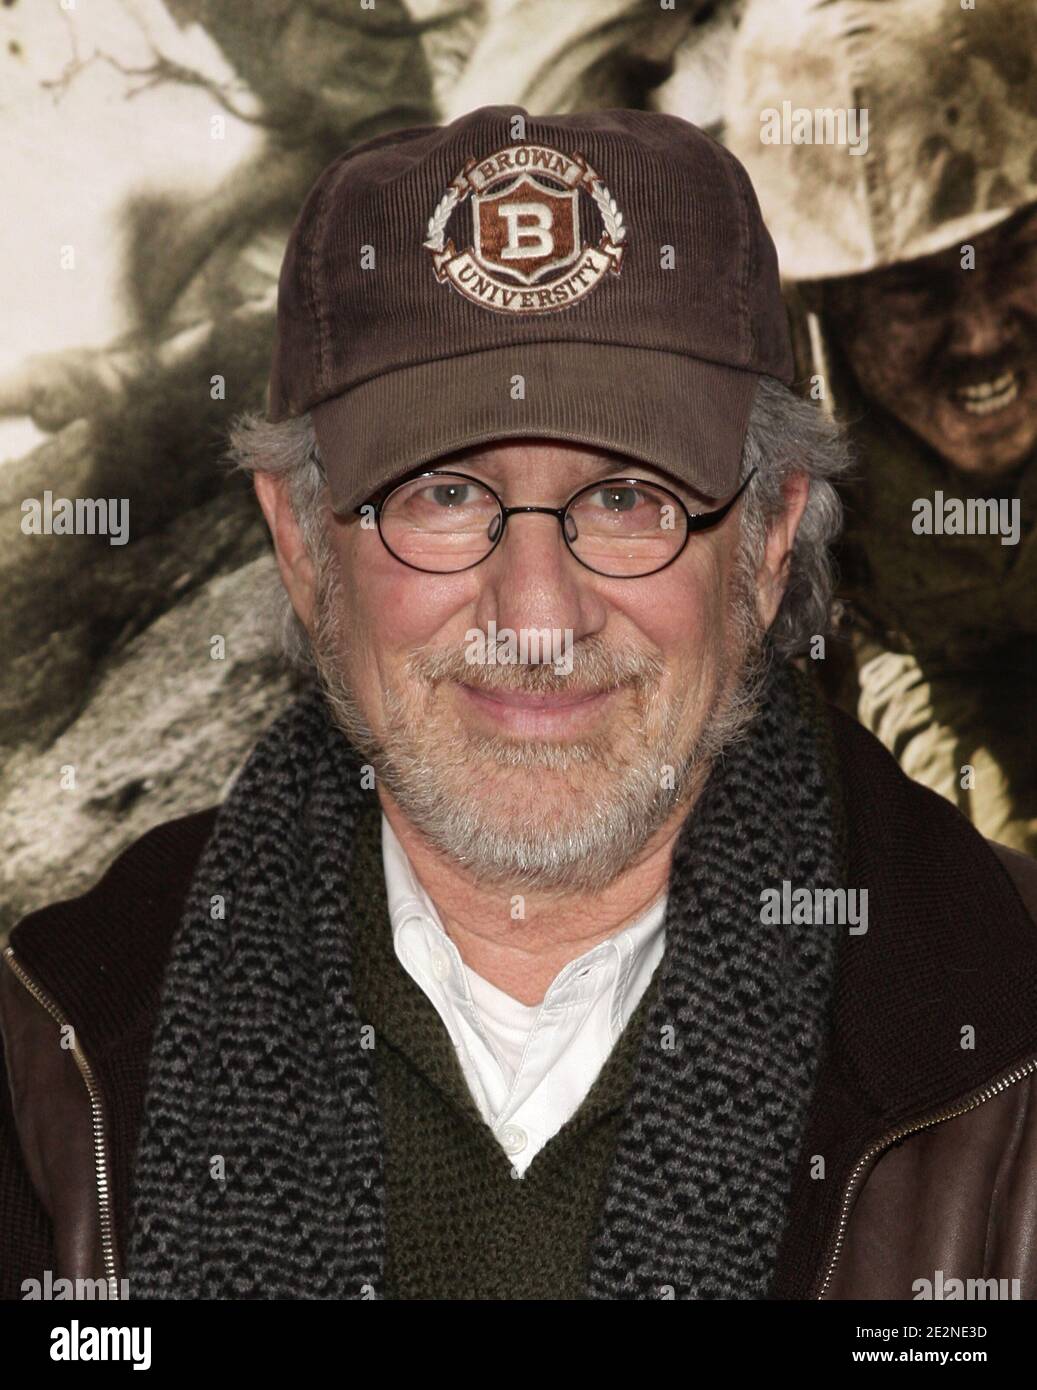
988, 397
519, 699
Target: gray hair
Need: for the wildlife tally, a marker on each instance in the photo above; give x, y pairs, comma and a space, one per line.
789, 435
786, 435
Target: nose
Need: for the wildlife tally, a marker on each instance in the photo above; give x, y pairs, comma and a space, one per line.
981, 321
532, 581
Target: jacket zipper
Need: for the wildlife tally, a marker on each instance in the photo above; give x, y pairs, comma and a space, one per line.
961, 1108
86, 1071
101, 1160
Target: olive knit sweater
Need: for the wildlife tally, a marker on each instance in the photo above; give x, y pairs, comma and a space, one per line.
459, 1222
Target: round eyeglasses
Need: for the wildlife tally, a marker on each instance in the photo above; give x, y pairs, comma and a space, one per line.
443, 522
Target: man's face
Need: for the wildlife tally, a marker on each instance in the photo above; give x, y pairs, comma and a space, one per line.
951, 353
527, 773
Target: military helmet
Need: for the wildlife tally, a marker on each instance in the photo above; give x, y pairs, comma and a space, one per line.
940, 100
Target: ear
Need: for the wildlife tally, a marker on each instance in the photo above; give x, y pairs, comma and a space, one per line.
293, 560
772, 575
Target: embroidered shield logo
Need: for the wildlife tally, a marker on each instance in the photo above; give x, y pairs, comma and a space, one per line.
527, 229
527, 255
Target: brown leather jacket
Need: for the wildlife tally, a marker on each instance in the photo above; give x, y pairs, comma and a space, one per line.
929, 1147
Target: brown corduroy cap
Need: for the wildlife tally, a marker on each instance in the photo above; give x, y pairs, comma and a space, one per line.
603, 277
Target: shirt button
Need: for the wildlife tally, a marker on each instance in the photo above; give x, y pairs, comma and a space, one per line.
513, 1139
440, 965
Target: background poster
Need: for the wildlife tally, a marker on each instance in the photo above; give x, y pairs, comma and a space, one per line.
155, 155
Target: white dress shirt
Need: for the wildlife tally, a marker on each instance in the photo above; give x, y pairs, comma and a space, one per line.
528, 1066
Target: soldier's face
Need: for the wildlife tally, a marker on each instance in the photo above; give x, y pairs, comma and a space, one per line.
950, 352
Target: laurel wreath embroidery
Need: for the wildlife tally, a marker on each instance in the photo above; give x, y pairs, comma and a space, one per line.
440, 217
610, 213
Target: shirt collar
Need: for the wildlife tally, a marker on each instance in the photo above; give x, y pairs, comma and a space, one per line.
623, 963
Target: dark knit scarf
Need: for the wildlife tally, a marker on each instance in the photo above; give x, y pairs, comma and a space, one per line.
259, 1171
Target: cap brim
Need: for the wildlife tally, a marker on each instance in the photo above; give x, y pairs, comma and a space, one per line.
682, 414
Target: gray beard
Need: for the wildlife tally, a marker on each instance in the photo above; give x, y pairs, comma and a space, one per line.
605, 830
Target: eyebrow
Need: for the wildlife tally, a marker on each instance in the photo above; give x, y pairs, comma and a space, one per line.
619, 467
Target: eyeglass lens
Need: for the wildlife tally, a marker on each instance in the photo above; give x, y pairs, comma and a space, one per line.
446, 523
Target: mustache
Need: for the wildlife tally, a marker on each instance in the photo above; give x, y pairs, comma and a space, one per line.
596, 666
